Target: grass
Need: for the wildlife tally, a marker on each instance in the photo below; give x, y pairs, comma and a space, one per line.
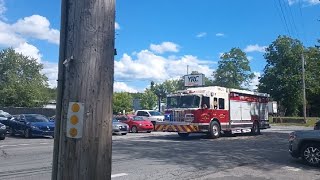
310, 121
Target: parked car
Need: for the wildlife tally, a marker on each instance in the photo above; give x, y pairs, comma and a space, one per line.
119, 127
31, 125
3, 131
5, 118
305, 145
139, 123
317, 125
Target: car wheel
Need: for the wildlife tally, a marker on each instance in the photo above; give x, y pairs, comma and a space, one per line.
310, 154
124, 133
2, 137
215, 130
12, 131
255, 130
183, 135
134, 129
148, 131
27, 133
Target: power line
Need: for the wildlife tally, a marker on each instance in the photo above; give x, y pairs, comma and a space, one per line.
282, 17
291, 19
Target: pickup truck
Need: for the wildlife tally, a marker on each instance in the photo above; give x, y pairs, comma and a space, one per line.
151, 115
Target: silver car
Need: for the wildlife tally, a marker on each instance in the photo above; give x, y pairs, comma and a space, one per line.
305, 145
119, 128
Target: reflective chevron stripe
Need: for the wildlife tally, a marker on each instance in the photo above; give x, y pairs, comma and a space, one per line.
177, 128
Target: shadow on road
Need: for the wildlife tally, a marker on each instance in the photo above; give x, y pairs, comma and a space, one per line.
266, 152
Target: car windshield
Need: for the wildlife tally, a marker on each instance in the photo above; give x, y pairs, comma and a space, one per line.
155, 113
115, 120
138, 118
190, 101
36, 118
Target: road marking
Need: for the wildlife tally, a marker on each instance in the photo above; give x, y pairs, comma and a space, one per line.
44, 143
23, 144
291, 168
119, 175
12, 145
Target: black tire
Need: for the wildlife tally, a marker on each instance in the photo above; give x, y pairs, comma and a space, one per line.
310, 154
215, 130
183, 135
134, 129
148, 131
255, 130
2, 137
27, 133
123, 133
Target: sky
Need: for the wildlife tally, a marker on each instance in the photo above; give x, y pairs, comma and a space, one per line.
157, 40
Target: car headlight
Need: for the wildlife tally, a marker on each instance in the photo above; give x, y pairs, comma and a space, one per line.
3, 127
140, 124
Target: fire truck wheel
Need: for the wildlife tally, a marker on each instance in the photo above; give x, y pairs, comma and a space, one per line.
215, 130
255, 130
183, 135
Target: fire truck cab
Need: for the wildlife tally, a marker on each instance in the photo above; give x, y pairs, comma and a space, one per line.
214, 110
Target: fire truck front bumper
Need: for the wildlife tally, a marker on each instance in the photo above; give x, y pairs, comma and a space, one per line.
180, 127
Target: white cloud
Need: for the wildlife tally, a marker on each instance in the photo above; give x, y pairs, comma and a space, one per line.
250, 58
123, 87
255, 81
29, 50
220, 34
148, 66
305, 2
117, 26
164, 47
38, 27
3, 9
202, 34
255, 48
51, 71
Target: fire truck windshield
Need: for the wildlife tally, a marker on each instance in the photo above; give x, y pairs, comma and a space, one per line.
188, 101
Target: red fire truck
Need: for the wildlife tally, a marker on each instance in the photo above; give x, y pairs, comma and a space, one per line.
215, 110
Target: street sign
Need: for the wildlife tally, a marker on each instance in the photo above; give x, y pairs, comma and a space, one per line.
75, 120
194, 80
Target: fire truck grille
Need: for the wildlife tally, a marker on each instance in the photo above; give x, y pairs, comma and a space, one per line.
180, 116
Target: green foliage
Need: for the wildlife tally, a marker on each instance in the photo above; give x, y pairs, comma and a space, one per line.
21, 81
52, 93
122, 101
282, 77
148, 99
233, 70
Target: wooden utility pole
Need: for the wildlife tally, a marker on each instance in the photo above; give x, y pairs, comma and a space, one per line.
304, 90
86, 68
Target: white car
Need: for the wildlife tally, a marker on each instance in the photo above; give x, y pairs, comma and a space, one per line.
151, 115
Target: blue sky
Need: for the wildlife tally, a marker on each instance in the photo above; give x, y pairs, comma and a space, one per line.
157, 39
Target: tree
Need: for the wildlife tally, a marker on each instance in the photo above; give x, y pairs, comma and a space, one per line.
233, 70
122, 101
282, 77
312, 56
148, 99
21, 82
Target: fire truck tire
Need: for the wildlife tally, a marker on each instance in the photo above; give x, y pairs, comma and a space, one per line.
183, 135
215, 130
255, 130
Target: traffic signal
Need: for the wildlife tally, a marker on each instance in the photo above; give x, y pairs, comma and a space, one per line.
75, 120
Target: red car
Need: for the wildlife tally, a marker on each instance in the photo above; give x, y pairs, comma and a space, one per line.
138, 123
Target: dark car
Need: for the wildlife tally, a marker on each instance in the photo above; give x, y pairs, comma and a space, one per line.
317, 125
305, 145
5, 118
3, 131
31, 125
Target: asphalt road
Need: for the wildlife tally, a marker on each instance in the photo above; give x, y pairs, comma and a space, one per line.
166, 156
